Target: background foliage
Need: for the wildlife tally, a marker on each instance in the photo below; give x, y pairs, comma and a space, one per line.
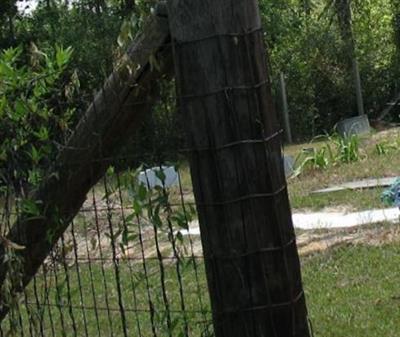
304, 38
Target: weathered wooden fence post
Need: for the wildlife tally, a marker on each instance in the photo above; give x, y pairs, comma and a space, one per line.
285, 109
358, 88
234, 146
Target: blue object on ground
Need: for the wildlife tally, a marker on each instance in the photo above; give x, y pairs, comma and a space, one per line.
391, 196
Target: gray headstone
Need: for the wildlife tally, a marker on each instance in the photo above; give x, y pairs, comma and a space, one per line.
288, 162
354, 126
149, 177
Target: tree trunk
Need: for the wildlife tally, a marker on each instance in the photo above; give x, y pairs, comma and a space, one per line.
248, 239
106, 126
396, 37
343, 13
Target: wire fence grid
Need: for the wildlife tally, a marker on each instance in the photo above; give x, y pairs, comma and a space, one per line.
126, 266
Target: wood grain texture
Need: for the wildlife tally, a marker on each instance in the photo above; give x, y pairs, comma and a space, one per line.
248, 239
113, 116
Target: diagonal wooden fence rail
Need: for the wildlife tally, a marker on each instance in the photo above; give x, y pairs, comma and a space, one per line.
108, 123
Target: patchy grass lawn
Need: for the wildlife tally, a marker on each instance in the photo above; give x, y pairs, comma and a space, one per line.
354, 291
372, 165
351, 286
346, 200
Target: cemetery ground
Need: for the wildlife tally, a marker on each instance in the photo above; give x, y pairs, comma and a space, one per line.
377, 157
350, 275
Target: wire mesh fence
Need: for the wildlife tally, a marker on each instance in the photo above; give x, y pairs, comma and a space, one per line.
128, 265
125, 266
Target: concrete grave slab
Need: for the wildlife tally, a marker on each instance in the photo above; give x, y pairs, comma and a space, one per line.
359, 184
329, 220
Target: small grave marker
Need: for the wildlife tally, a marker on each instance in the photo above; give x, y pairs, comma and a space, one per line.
150, 177
354, 126
288, 162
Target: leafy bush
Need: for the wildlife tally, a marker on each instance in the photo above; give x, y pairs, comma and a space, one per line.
33, 120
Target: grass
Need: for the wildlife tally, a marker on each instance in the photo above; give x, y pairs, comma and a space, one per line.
353, 291
373, 166
100, 310
346, 199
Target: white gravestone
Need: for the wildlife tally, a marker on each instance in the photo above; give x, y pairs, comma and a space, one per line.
149, 177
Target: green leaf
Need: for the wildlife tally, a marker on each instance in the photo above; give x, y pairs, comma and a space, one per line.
42, 134
160, 175
110, 171
63, 56
137, 207
130, 217
142, 192
179, 236
20, 110
35, 155
30, 207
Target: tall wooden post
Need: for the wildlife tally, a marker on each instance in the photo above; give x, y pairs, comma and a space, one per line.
249, 245
358, 87
285, 109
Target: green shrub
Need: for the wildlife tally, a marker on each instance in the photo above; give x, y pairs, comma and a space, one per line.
33, 122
